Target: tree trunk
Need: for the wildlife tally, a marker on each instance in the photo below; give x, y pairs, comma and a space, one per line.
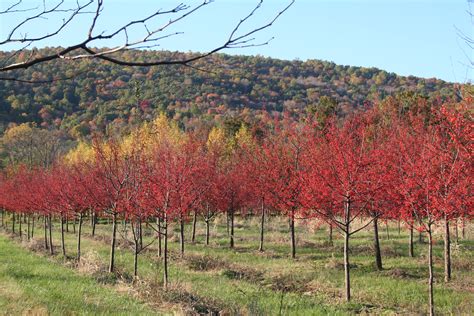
19, 227
292, 234
165, 252
79, 233
136, 250
63, 246
463, 229
347, 276
387, 230
378, 255
181, 235
410, 243
420, 237
193, 234
3, 219
67, 224
74, 225
94, 222
330, 237
430, 271
399, 228
207, 231
112, 243
28, 227
262, 227
207, 220
46, 245
50, 224
447, 251
231, 222
140, 232
158, 225
13, 223
33, 226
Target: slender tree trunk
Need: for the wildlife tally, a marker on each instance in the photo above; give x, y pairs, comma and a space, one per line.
420, 237
430, 271
378, 255
33, 226
67, 224
447, 251
292, 234
262, 226
136, 250
46, 245
140, 232
165, 252
193, 234
330, 237
112, 243
135, 259
207, 220
399, 228
74, 225
231, 223
410, 243
181, 235
19, 227
63, 246
347, 276
158, 225
207, 231
94, 222
463, 229
13, 222
28, 227
79, 233
50, 224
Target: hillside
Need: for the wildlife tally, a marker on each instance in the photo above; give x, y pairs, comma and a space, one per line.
224, 86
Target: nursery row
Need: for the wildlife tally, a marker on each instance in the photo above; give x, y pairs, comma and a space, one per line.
374, 166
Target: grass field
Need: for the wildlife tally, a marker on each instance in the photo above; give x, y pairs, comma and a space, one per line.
30, 284
240, 281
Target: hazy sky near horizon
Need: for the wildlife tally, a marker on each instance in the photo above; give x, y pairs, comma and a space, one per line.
408, 37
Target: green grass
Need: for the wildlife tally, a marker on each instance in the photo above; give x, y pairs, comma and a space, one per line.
245, 281
30, 284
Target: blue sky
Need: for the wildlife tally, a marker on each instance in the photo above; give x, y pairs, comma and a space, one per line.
408, 37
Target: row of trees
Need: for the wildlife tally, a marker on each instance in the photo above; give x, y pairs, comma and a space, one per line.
378, 165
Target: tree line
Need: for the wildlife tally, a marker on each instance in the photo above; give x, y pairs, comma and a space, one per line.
104, 96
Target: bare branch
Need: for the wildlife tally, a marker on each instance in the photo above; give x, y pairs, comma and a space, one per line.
13, 6
42, 14
148, 41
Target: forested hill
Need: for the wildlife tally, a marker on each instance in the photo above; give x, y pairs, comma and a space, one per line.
103, 94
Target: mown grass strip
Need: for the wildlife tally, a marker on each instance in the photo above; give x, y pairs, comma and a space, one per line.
31, 284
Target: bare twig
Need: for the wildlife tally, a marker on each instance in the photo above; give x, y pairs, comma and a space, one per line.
85, 48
